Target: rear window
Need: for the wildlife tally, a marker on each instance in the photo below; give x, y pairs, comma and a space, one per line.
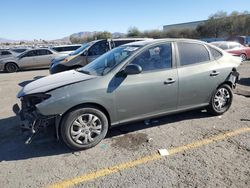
192, 53
223, 46
215, 53
121, 42
19, 50
5, 53
234, 45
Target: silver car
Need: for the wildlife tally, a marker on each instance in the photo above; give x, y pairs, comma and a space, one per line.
136, 81
35, 58
7, 53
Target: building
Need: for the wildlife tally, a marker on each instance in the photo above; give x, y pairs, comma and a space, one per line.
187, 25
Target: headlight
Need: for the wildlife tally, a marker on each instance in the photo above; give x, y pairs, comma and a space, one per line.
37, 98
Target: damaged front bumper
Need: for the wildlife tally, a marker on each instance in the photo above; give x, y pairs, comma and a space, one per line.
32, 120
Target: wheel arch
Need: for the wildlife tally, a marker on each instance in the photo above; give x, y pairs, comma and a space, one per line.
244, 53
227, 82
11, 62
90, 104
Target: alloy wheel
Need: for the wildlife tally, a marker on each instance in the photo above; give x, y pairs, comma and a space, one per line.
221, 99
86, 128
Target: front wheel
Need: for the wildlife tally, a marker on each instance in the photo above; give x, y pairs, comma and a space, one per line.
221, 100
84, 128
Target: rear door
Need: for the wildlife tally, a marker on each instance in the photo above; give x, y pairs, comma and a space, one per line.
198, 73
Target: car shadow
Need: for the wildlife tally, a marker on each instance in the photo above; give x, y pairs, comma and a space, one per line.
25, 70
24, 83
12, 140
140, 125
244, 81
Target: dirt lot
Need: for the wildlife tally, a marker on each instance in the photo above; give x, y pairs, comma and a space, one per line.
208, 163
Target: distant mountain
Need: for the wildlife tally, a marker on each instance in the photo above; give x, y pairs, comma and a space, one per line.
85, 34
3, 40
118, 35
63, 40
82, 34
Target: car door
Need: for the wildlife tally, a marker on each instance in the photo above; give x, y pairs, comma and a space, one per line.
154, 91
27, 60
198, 74
43, 58
97, 50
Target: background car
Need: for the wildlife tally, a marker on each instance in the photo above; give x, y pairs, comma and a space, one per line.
7, 53
234, 48
35, 58
87, 53
66, 48
19, 50
132, 82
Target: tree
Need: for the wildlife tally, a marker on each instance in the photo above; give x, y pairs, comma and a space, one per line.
221, 24
134, 32
103, 35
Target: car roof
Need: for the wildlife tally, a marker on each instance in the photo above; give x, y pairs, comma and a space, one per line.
152, 41
124, 39
66, 45
38, 49
225, 42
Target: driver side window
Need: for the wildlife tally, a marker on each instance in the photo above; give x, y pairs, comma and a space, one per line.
98, 49
155, 58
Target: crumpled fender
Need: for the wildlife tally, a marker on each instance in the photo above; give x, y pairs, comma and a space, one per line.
233, 77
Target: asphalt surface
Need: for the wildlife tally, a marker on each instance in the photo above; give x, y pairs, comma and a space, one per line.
46, 162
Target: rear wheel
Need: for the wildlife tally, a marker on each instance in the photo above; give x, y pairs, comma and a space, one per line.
221, 100
11, 67
84, 128
243, 57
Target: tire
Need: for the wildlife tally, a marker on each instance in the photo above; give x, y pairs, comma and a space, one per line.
221, 100
243, 57
11, 67
81, 125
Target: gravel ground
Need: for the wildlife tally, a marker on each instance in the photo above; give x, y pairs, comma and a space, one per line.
46, 161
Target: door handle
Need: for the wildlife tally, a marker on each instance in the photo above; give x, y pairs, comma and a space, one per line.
169, 81
214, 73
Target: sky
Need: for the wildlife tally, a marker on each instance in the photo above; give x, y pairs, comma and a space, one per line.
54, 19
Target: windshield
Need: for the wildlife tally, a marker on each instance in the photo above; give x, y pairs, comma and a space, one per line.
81, 49
109, 60
21, 54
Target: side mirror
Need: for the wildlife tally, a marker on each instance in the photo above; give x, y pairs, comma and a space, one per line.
132, 69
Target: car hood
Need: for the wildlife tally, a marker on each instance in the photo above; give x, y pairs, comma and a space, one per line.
54, 81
